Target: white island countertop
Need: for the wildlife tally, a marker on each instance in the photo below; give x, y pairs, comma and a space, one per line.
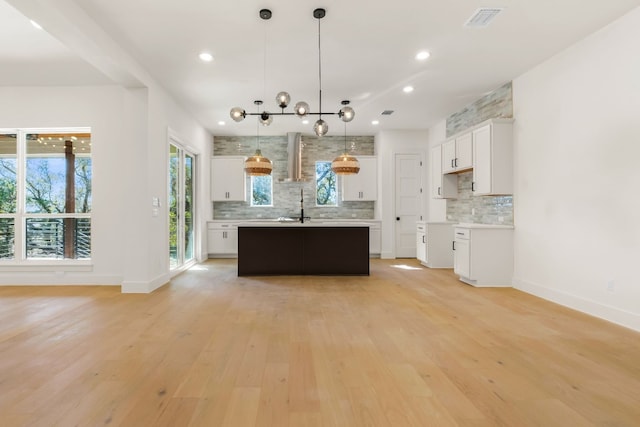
307, 223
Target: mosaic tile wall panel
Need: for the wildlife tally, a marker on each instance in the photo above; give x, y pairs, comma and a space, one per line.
286, 195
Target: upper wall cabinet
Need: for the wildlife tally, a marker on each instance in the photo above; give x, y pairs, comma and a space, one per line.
442, 186
457, 154
493, 159
362, 186
228, 180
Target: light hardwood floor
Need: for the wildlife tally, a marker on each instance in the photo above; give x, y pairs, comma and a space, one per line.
402, 347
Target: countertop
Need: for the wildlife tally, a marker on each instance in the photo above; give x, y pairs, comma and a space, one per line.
316, 222
474, 225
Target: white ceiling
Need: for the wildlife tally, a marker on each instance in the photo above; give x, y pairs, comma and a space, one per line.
368, 51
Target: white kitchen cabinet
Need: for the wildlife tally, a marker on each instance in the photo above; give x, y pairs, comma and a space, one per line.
375, 239
421, 243
228, 179
439, 244
483, 254
457, 154
222, 240
493, 159
362, 186
442, 186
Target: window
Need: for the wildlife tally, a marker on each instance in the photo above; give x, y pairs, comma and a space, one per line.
45, 195
326, 185
261, 190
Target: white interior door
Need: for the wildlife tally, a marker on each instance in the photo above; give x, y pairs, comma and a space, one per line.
407, 204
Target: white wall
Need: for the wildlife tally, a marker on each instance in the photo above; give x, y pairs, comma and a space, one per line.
387, 145
577, 175
130, 155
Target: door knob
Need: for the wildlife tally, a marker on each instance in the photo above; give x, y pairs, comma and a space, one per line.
397, 218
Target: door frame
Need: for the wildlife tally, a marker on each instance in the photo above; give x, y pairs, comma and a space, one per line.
183, 149
422, 183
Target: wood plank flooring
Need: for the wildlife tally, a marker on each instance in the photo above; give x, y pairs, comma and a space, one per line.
406, 346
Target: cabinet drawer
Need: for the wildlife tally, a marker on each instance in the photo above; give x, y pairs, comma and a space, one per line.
462, 233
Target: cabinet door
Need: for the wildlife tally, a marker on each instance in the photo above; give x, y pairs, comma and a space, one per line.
464, 152
228, 180
362, 186
215, 241
442, 186
231, 241
482, 161
462, 259
449, 156
375, 240
421, 247
222, 241
436, 172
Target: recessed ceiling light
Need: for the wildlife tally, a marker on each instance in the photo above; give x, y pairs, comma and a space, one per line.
375, 122
35, 24
407, 89
221, 123
421, 56
206, 57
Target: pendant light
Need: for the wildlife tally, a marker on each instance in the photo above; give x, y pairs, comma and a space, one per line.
301, 109
258, 165
345, 164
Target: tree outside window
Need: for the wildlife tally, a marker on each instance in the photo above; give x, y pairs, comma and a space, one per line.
57, 179
326, 185
262, 190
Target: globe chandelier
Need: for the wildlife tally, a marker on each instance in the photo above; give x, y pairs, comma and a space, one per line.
301, 109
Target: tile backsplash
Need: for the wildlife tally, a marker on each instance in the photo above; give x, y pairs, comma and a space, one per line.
479, 209
467, 207
286, 195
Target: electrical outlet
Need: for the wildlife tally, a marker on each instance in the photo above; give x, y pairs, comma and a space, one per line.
500, 219
473, 211
611, 286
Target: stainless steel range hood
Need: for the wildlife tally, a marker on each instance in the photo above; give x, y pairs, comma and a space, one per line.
294, 158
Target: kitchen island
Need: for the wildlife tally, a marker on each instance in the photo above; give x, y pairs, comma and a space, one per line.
303, 249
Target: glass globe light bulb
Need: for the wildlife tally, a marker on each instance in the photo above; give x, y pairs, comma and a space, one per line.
237, 114
346, 114
283, 99
321, 127
302, 109
265, 118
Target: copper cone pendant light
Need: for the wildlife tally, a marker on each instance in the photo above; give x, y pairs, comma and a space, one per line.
345, 164
258, 165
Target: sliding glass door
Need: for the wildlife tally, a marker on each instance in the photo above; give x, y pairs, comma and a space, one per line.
181, 207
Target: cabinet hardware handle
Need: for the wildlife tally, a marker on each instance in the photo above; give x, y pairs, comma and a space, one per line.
423, 240
453, 246
473, 185
439, 191
456, 162
452, 165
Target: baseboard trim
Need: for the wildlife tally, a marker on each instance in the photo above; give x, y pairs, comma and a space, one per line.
606, 312
133, 287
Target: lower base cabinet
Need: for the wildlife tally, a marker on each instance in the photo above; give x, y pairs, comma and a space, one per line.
434, 244
222, 240
483, 254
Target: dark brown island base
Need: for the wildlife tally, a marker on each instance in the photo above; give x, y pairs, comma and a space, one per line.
303, 250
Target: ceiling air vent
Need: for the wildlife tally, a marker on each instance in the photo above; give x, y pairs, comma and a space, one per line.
482, 17
387, 112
